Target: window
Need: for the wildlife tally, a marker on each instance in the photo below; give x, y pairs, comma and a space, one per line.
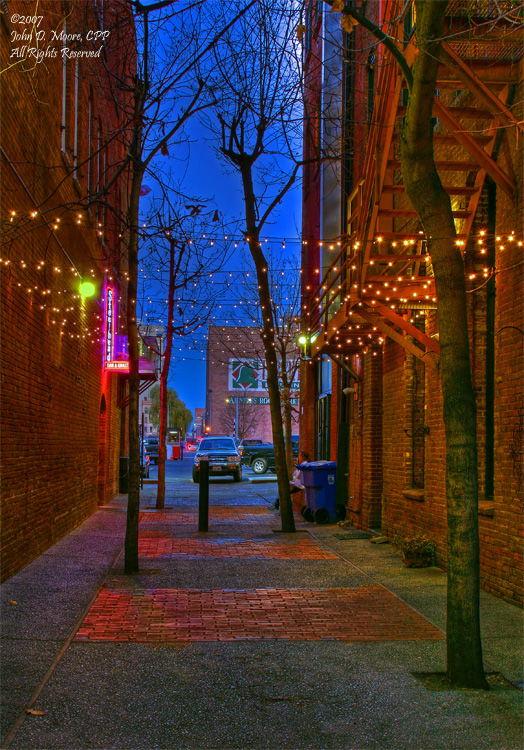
312, 12
99, 6
409, 24
65, 82
99, 168
323, 411
89, 143
75, 122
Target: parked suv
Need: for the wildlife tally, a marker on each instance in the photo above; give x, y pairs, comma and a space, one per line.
223, 457
151, 447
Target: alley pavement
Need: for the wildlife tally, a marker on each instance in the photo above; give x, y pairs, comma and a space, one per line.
242, 637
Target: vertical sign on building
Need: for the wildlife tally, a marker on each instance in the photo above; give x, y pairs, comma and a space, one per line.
110, 323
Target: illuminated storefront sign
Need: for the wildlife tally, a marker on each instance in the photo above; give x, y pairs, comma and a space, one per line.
116, 351
113, 358
124, 366
110, 323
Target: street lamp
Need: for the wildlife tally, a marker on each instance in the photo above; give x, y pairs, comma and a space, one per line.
304, 346
235, 401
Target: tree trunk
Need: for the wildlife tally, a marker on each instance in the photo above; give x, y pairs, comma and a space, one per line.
288, 428
288, 409
133, 501
162, 450
286, 507
433, 206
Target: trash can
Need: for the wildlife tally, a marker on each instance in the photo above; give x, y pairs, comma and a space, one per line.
319, 479
123, 474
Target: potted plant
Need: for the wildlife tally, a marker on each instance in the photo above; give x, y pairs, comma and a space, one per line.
417, 551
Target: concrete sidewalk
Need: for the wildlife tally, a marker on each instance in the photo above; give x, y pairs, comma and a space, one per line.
241, 638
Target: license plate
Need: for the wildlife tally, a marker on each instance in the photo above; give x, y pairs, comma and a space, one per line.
216, 468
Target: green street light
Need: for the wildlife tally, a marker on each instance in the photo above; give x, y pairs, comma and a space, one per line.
87, 289
304, 343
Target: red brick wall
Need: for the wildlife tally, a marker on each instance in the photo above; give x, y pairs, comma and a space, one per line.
372, 441
307, 432
502, 535
394, 438
59, 455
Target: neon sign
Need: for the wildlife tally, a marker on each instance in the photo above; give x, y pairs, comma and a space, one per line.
110, 323
112, 358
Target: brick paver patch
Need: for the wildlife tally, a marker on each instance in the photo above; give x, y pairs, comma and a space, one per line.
217, 514
368, 613
161, 545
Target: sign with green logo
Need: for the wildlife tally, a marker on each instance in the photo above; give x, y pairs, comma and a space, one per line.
250, 375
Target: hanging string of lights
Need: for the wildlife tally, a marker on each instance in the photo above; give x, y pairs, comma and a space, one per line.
62, 297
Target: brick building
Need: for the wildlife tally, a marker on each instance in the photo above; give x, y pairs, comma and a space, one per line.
62, 425
199, 420
235, 385
371, 396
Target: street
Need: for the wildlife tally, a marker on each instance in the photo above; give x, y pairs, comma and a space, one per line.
179, 472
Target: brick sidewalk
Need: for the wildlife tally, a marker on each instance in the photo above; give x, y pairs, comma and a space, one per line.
151, 545
163, 615
255, 514
368, 613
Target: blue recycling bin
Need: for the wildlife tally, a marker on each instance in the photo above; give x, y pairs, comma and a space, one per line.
319, 478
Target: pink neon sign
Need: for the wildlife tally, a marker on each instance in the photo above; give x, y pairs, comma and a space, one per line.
111, 360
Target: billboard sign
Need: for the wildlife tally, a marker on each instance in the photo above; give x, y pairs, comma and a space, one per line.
257, 400
250, 376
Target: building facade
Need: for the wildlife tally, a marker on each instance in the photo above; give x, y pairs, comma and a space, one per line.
151, 345
371, 396
237, 401
62, 409
199, 422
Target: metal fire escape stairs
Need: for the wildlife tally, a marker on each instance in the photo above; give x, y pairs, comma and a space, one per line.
382, 275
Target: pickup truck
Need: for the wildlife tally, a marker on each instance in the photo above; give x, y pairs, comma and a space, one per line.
261, 458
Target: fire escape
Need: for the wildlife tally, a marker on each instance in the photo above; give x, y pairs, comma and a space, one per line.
383, 275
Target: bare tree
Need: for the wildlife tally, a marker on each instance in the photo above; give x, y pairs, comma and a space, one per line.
165, 81
247, 413
257, 86
183, 299
246, 339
